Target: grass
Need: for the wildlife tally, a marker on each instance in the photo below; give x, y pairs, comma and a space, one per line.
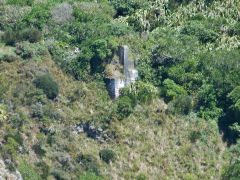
163, 150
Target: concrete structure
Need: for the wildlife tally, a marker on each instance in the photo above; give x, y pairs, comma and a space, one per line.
130, 74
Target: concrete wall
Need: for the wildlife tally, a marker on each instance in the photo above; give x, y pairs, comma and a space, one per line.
130, 74
114, 87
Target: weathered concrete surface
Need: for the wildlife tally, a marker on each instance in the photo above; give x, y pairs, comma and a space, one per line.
130, 74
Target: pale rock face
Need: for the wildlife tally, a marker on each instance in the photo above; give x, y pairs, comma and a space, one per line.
130, 74
6, 175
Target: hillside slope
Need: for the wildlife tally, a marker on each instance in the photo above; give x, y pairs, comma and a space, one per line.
149, 143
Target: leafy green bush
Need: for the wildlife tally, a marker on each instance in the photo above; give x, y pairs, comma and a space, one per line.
142, 176
126, 7
48, 85
181, 105
88, 162
234, 97
11, 16
31, 51
17, 137
38, 17
60, 175
62, 13
43, 168
21, 2
231, 172
9, 58
107, 155
194, 136
207, 102
197, 29
32, 35
38, 149
172, 90
10, 37
140, 92
125, 107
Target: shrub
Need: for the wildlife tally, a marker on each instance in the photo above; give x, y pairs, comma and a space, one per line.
38, 17
172, 91
125, 107
9, 58
48, 85
181, 105
62, 13
39, 150
142, 176
17, 137
126, 7
32, 35
65, 160
203, 34
141, 92
234, 97
11, 16
207, 102
37, 110
21, 2
194, 136
3, 113
43, 168
10, 37
89, 163
107, 155
231, 172
59, 175
35, 51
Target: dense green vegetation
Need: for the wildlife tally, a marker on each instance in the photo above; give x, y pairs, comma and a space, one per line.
180, 120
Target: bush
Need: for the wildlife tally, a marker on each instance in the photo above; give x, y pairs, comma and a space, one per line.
207, 102
231, 172
107, 155
11, 16
62, 13
48, 85
17, 137
38, 17
126, 7
32, 35
10, 37
43, 168
194, 136
140, 92
142, 176
21, 2
125, 107
181, 105
39, 150
203, 34
9, 58
88, 162
172, 91
35, 51
59, 175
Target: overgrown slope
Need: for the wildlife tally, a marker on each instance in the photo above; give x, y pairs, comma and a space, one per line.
57, 120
